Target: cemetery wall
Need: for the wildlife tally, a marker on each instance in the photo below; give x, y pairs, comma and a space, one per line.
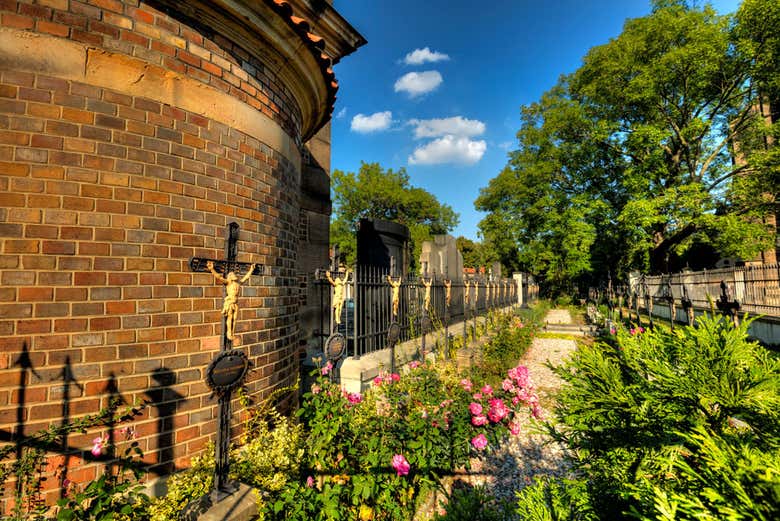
131, 134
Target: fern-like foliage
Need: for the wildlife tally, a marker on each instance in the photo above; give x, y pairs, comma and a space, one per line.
662, 416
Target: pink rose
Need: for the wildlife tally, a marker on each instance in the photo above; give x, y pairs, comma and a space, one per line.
414, 364
477, 396
479, 420
354, 398
466, 384
507, 385
310, 482
479, 442
475, 408
498, 410
487, 390
395, 377
98, 444
400, 465
327, 368
514, 428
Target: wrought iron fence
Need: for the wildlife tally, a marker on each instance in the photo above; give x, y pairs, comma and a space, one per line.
756, 288
367, 312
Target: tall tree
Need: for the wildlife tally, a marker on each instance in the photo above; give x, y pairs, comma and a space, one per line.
376, 193
626, 163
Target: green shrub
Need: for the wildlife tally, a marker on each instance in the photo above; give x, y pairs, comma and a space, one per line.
555, 500
473, 504
637, 413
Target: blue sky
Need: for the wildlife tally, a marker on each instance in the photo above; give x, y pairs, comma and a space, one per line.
439, 86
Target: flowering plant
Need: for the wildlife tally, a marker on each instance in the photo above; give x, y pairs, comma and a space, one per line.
370, 455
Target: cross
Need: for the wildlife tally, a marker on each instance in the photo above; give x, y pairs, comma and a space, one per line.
727, 306
228, 369
337, 287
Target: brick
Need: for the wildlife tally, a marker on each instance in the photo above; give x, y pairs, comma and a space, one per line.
14, 138
83, 309
41, 141
70, 294
11, 230
104, 323
60, 128
12, 199
86, 37
66, 100
100, 27
32, 155
16, 21
57, 309
26, 327
14, 169
40, 96
59, 247
120, 308
47, 171
36, 11
52, 28
78, 203
70, 325
21, 246
77, 115
60, 217
35, 294
89, 279
106, 293
103, 120
15, 310
94, 248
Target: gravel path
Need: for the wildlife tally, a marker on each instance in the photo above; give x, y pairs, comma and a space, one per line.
531, 453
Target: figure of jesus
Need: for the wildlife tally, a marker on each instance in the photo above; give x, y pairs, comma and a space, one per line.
447, 288
338, 293
427, 300
232, 288
396, 285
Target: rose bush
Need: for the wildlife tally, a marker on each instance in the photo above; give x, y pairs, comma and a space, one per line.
372, 457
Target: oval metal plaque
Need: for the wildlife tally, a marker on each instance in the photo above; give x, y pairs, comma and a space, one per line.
425, 324
227, 371
393, 333
335, 346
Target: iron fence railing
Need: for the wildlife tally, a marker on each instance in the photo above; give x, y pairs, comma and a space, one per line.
755, 288
367, 312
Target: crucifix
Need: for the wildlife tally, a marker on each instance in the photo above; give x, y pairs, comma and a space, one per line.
425, 321
687, 305
338, 279
227, 370
727, 306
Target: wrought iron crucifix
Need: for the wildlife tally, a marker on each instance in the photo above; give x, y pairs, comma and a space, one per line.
335, 345
227, 370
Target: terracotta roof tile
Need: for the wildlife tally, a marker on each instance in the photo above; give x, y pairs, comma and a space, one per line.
315, 44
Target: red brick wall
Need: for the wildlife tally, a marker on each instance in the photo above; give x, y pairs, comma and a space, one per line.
136, 29
104, 197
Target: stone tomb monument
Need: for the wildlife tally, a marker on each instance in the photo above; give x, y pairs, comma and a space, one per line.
442, 257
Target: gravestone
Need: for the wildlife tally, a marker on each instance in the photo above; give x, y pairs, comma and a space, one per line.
442, 257
378, 241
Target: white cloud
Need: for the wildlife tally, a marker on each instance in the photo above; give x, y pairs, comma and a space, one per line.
425, 55
456, 126
341, 113
418, 83
449, 149
374, 123
506, 145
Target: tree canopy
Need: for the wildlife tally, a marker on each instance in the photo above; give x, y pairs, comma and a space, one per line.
627, 163
376, 193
